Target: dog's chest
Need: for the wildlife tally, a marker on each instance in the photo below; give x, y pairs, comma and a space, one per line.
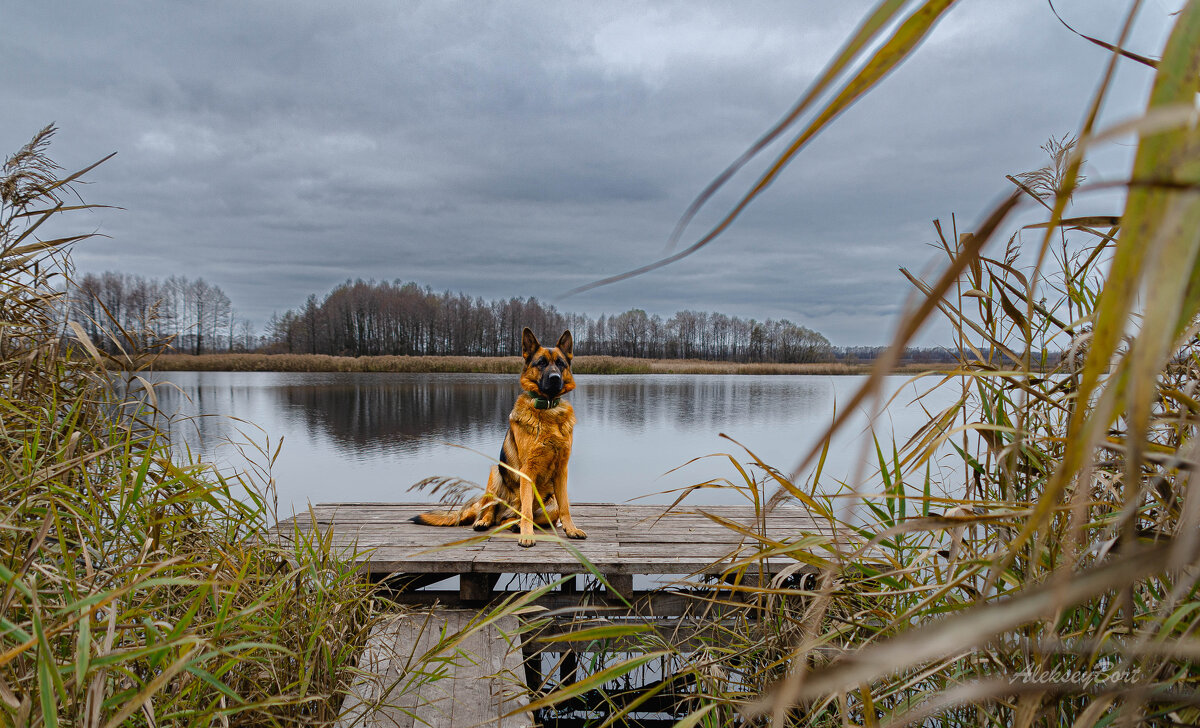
545, 434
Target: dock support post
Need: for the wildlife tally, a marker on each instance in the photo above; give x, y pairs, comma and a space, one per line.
621, 584
568, 671
476, 587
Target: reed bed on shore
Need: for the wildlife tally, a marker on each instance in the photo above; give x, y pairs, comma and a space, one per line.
139, 588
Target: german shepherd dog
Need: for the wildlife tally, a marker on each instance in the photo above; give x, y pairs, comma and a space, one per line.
530, 481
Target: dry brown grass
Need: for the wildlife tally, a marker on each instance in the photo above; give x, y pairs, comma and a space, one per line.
1031, 556
140, 587
327, 363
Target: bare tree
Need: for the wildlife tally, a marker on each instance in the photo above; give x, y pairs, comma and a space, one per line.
125, 312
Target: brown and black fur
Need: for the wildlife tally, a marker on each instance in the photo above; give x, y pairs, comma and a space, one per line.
530, 483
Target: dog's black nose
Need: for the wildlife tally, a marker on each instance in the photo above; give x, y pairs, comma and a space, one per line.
554, 380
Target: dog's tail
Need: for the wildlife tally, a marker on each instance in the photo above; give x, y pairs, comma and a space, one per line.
456, 517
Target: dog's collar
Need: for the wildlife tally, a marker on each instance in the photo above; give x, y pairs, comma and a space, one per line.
542, 402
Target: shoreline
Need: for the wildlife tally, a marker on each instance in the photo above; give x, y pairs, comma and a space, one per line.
501, 365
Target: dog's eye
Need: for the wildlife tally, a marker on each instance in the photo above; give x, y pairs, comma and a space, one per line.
540, 362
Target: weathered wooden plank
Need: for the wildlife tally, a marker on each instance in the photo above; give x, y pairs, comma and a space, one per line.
423, 532
388, 511
471, 685
384, 514
625, 516
631, 562
670, 531
790, 526
398, 535
649, 603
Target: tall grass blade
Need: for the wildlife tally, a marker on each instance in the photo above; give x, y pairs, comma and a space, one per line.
895, 50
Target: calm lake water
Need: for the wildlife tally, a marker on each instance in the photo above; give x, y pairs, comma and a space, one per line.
368, 437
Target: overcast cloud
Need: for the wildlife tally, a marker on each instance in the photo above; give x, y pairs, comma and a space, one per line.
517, 149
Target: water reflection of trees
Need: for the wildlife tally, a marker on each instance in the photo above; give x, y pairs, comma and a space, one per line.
365, 414
408, 415
697, 403
203, 416
414, 414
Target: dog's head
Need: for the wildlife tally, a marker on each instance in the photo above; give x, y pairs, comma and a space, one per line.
547, 371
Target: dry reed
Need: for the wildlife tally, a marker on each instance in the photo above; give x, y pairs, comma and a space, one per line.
1032, 555
140, 588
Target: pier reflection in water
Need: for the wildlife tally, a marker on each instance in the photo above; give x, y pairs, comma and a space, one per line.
354, 437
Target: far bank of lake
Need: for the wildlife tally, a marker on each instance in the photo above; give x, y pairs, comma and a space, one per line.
504, 365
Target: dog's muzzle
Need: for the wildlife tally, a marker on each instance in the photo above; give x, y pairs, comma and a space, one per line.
552, 383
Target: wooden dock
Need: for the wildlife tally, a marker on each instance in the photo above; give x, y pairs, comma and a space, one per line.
623, 541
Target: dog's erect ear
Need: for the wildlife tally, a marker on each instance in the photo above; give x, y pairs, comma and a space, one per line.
529, 343
565, 342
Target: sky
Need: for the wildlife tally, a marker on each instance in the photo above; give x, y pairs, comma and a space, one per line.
277, 149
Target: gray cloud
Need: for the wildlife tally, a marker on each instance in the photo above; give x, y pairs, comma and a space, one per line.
280, 148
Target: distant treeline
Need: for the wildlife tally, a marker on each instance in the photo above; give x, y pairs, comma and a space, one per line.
361, 318
120, 311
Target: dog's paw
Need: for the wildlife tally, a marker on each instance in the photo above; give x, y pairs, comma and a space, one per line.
482, 525
575, 532
526, 541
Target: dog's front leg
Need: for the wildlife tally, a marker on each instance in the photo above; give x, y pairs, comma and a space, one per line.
564, 506
526, 512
